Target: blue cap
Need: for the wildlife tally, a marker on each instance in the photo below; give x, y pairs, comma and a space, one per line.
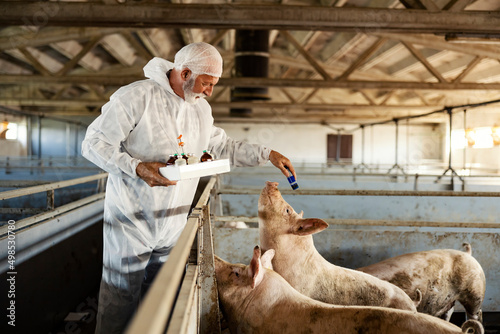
293, 183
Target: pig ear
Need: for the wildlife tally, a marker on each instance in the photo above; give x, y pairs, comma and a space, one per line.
309, 226
267, 258
256, 270
301, 214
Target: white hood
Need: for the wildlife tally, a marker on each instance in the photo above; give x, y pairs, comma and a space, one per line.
156, 69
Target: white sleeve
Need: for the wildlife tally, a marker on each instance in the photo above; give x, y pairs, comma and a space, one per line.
102, 144
239, 153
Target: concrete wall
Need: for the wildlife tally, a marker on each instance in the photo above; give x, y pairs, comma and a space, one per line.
10, 147
303, 143
14, 147
354, 248
308, 142
477, 157
58, 138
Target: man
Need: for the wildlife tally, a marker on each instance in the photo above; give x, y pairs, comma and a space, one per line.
145, 213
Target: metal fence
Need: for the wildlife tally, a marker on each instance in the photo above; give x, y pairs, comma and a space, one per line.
189, 275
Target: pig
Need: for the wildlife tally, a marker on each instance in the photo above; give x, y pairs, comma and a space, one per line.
256, 299
442, 276
298, 261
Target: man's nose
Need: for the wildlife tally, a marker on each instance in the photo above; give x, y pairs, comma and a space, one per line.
208, 91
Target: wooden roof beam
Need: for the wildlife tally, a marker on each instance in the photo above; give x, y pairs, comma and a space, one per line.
34, 61
306, 55
306, 43
362, 58
72, 48
249, 16
424, 62
469, 68
75, 103
52, 35
141, 50
429, 5
117, 80
76, 59
456, 5
439, 43
119, 48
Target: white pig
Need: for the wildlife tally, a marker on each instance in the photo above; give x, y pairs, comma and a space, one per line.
298, 261
255, 299
443, 276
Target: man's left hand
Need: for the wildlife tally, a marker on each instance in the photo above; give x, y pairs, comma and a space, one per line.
281, 162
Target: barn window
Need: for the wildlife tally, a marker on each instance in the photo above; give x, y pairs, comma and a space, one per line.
482, 137
339, 148
8, 130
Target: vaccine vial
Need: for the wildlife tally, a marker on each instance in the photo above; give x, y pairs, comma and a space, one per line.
206, 156
291, 180
171, 159
184, 156
192, 159
180, 162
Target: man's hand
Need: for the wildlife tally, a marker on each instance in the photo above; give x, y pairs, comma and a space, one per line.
149, 172
281, 162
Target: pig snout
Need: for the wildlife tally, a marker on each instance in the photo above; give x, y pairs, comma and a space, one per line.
271, 185
270, 189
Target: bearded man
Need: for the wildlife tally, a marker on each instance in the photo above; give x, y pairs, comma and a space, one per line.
145, 213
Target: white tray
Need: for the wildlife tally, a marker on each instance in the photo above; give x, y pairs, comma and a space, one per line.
200, 169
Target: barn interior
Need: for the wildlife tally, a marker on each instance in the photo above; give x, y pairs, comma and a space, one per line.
388, 109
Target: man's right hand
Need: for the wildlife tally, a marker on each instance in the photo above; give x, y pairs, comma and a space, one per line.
149, 172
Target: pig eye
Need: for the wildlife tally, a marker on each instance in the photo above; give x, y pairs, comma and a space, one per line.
288, 210
236, 273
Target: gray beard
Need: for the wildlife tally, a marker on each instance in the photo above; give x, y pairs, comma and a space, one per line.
189, 96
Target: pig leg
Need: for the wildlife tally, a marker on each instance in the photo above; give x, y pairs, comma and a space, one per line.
472, 305
474, 313
447, 315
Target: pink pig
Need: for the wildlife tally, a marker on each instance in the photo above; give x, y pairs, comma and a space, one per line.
298, 261
440, 277
256, 299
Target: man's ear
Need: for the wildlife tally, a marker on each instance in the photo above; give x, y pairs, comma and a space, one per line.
185, 74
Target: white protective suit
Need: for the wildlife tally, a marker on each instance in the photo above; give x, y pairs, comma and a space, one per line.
141, 122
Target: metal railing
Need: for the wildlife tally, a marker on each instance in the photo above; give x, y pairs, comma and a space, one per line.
415, 177
189, 275
49, 188
370, 222
367, 222
184, 293
359, 192
13, 164
39, 232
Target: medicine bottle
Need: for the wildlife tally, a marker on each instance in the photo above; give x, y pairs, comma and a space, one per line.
192, 159
171, 159
180, 162
184, 156
291, 180
206, 156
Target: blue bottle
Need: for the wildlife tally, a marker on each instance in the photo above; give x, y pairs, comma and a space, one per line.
291, 180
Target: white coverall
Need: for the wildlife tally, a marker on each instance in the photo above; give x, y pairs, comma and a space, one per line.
141, 122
